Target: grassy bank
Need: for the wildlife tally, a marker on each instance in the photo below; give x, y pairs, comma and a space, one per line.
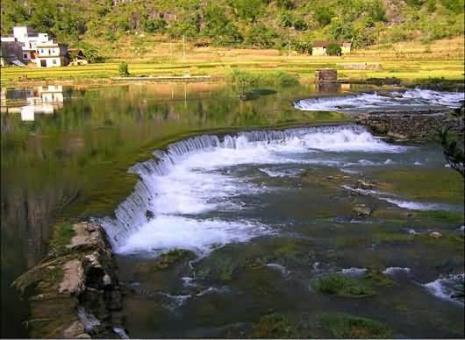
408, 62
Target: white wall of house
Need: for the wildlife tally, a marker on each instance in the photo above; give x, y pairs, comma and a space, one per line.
49, 62
50, 55
318, 51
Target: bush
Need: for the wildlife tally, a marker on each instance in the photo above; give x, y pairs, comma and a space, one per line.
286, 4
333, 49
323, 15
261, 36
91, 53
157, 25
303, 46
123, 69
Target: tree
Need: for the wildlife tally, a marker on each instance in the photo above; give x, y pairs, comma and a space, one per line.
261, 36
323, 16
123, 69
247, 9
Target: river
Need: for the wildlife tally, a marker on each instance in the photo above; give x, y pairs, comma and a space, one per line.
262, 215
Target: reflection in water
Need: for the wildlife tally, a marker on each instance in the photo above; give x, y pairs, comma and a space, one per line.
39, 100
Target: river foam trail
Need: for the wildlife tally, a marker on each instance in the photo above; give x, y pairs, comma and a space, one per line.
181, 185
410, 99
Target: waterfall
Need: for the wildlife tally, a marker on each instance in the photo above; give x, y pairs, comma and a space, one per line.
171, 185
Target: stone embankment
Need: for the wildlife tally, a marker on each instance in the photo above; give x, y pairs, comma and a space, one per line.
74, 292
416, 125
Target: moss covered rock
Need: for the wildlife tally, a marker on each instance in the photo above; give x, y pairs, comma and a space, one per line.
342, 285
347, 326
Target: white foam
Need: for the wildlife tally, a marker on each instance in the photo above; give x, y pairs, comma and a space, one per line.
279, 268
450, 287
373, 101
420, 206
395, 270
449, 99
354, 271
200, 236
281, 173
191, 178
212, 290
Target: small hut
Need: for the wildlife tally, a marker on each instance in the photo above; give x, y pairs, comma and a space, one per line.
326, 75
77, 57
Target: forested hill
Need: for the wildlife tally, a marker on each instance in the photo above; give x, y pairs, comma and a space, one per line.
251, 23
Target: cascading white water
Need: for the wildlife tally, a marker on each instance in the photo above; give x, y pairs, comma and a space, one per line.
417, 98
184, 180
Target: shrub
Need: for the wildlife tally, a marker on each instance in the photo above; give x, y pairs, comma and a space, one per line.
303, 46
157, 25
323, 16
286, 4
261, 36
91, 53
333, 49
123, 69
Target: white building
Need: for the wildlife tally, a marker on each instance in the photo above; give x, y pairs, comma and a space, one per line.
29, 39
36, 47
51, 54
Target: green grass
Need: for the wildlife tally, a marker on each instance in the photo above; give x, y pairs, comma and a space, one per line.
435, 185
61, 236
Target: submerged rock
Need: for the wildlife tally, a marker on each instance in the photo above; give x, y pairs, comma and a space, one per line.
365, 185
435, 234
362, 210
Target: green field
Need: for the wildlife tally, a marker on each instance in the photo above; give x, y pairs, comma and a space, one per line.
408, 62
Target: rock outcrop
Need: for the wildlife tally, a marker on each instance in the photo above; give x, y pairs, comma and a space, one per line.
405, 125
74, 291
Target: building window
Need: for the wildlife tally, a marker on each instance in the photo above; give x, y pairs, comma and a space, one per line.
25, 56
54, 61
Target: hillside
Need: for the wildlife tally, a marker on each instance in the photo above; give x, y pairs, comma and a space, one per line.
281, 24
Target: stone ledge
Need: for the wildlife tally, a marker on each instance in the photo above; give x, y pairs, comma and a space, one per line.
74, 293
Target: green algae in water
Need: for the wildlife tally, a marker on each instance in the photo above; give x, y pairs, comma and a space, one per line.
274, 326
342, 285
166, 260
347, 326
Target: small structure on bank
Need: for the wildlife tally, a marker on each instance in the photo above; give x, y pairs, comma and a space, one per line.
76, 57
326, 75
320, 48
